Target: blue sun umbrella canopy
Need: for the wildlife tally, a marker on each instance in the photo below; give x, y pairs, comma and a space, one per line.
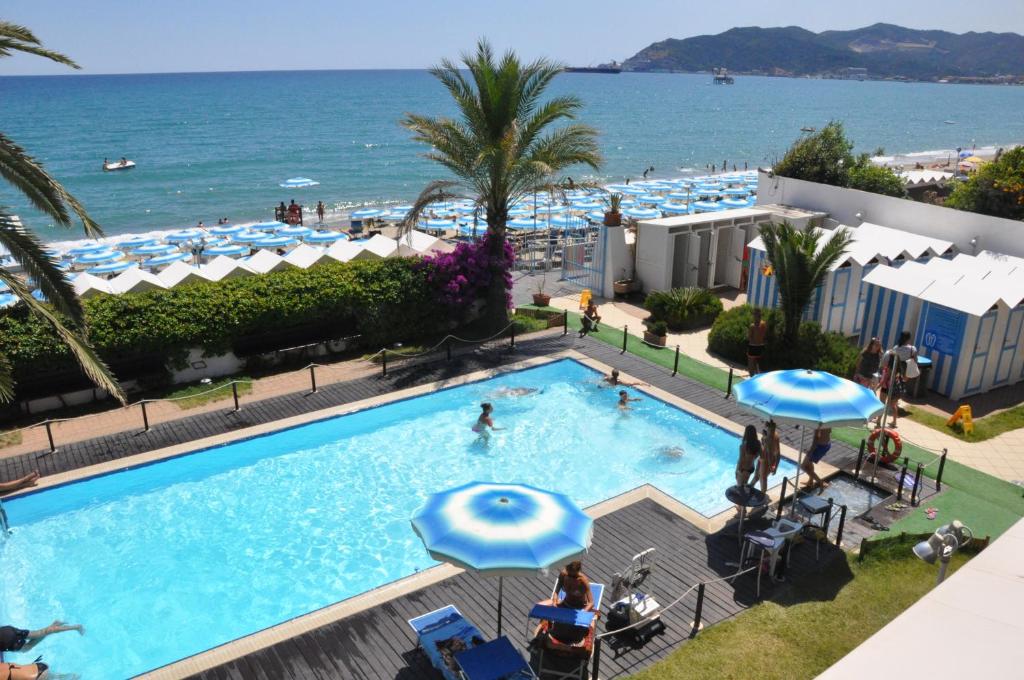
805, 397
183, 236
155, 249
298, 183
325, 237
587, 204
227, 229
228, 250
736, 203
137, 242
295, 231
267, 226
707, 206
8, 300
675, 208
99, 257
366, 213
641, 213
113, 267
87, 248
248, 237
503, 529
275, 242
165, 259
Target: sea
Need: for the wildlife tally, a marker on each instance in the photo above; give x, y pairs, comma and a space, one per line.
214, 145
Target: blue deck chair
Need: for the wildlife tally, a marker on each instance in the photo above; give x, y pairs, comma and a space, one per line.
577, 653
480, 658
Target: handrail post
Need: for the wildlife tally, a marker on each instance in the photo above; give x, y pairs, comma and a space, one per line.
728, 389
596, 668
675, 364
942, 466
312, 377
842, 523
49, 436
625, 337
512, 335
918, 484
782, 497
698, 611
860, 460
145, 416
899, 485
565, 331
234, 393
384, 361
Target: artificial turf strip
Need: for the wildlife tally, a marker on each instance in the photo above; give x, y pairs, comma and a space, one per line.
200, 394
984, 428
983, 517
809, 624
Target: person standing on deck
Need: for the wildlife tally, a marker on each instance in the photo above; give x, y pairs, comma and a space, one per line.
756, 336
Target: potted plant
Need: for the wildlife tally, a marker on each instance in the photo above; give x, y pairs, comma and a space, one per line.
540, 298
612, 216
656, 333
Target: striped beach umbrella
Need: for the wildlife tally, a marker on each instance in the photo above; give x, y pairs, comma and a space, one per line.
226, 229
325, 237
227, 249
137, 242
183, 236
84, 248
502, 529
267, 226
811, 398
113, 267
99, 256
165, 259
155, 249
366, 213
641, 213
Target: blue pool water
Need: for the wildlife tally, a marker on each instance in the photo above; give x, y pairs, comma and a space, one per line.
167, 560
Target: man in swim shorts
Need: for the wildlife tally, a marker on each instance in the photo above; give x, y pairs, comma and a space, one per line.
21, 640
819, 447
756, 336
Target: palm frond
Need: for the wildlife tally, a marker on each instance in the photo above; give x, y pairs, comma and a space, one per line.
29, 251
437, 190
17, 38
6, 379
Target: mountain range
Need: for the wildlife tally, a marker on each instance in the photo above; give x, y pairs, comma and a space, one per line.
885, 50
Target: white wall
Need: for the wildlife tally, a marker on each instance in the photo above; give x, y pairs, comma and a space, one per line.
992, 233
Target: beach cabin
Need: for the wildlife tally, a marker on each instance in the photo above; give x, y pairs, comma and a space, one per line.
839, 302
966, 315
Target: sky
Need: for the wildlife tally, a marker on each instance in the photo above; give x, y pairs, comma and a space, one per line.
146, 36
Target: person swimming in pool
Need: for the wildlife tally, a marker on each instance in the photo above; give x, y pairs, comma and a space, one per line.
671, 453
514, 392
484, 424
613, 380
624, 400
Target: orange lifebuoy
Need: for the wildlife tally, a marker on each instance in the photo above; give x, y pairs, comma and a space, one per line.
893, 436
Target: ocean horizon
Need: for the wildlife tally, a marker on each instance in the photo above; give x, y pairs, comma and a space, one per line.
213, 145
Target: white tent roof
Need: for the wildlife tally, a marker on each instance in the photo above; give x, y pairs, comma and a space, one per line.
343, 251
265, 262
418, 241
223, 267
916, 178
179, 273
87, 285
135, 280
305, 256
381, 246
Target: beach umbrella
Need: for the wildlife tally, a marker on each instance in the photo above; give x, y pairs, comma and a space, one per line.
298, 183
527, 223
437, 224
964, 154
325, 237
519, 212
275, 242
597, 216
587, 204
634, 190
550, 209
165, 259
99, 257
568, 221
273, 225
8, 300
155, 249
183, 235
641, 213
502, 529
227, 229
137, 242
113, 267
226, 249
366, 213
735, 191
87, 248
707, 206
675, 208
810, 398
616, 188
248, 237
736, 203
295, 231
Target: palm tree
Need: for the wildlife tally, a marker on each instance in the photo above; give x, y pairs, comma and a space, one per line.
800, 263
501, 147
25, 174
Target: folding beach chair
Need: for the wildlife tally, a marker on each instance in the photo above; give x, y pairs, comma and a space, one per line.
561, 659
456, 648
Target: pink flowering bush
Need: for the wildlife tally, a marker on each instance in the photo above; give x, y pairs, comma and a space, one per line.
462, 277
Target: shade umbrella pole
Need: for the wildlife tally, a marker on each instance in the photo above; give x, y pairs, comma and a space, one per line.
799, 461
501, 583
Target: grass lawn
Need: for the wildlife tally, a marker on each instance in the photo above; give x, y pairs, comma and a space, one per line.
197, 395
808, 626
984, 428
10, 438
987, 504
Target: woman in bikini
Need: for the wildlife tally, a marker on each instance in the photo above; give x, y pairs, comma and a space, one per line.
750, 451
768, 462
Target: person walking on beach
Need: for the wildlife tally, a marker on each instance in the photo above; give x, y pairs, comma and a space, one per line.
756, 336
320, 212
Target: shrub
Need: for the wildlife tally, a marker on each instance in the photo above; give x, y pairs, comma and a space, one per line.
384, 301
683, 308
997, 188
462, 277
877, 180
814, 348
659, 328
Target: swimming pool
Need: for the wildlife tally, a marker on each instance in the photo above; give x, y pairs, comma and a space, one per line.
170, 559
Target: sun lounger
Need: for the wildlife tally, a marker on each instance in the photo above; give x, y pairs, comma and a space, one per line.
456, 648
571, 658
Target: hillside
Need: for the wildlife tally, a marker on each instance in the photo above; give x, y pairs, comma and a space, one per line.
886, 51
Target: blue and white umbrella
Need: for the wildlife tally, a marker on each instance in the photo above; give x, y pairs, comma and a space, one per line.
641, 213
248, 237
298, 183
587, 204
519, 211
87, 248
366, 213
8, 300
675, 208
527, 223
267, 226
165, 259
736, 203
275, 242
113, 267
437, 224
183, 236
155, 249
811, 398
550, 209
228, 250
295, 231
650, 198
735, 191
707, 206
99, 256
227, 229
137, 242
502, 529
634, 190
325, 237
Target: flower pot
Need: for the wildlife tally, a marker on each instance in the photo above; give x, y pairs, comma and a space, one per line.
613, 219
541, 299
622, 287
652, 339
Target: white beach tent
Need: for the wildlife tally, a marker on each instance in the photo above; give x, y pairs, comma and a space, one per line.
378, 246
181, 274
135, 280
223, 267
343, 251
265, 262
87, 285
304, 256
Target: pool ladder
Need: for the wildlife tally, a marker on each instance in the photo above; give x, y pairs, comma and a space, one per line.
5, 528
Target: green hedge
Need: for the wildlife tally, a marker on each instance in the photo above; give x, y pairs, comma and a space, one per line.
383, 300
815, 349
683, 308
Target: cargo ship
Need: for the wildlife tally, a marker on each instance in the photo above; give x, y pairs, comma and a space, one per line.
602, 68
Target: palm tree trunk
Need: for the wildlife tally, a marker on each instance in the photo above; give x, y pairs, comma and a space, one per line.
495, 313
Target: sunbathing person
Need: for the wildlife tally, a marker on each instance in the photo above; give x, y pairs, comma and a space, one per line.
21, 483
576, 587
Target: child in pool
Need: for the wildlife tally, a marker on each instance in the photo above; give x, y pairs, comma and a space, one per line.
484, 425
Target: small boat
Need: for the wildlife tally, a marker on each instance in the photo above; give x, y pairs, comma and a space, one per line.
123, 164
949, 122
807, 129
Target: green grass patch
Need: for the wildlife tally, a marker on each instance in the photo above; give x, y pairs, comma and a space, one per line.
216, 390
809, 625
396, 354
11, 438
528, 324
984, 428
